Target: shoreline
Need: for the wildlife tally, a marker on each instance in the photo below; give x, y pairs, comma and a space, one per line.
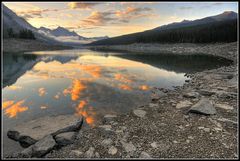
164, 128
225, 50
25, 45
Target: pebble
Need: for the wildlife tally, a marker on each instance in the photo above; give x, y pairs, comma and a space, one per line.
154, 145
144, 155
112, 150
90, 153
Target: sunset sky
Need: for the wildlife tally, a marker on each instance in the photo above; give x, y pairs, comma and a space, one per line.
114, 18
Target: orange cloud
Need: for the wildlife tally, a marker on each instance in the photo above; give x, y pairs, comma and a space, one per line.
125, 87
122, 78
93, 70
41, 92
6, 104
98, 18
13, 87
81, 5
75, 90
133, 13
144, 87
15, 109
34, 13
87, 114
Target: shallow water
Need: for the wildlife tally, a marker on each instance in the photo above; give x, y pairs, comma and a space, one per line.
87, 83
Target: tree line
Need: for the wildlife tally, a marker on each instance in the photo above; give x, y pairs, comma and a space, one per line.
222, 31
22, 34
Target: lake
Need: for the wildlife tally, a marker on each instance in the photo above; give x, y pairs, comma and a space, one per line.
87, 83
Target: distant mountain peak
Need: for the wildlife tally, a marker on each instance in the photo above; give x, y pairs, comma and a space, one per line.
229, 12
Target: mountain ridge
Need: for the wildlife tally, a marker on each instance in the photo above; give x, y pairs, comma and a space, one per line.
214, 25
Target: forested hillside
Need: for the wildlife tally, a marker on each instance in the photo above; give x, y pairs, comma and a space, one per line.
219, 31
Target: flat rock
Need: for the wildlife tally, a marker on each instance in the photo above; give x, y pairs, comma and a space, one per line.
65, 138
191, 95
183, 104
224, 106
139, 113
34, 130
204, 106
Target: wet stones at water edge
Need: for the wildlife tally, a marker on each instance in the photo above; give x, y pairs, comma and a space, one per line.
40, 136
108, 118
191, 95
204, 106
140, 113
183, 104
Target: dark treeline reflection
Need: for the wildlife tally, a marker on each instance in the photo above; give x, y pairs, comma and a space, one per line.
15, 65
180, 63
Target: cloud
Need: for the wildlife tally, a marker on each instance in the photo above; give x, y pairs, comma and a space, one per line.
185, 8
132, 11
16, 108
81, 5
115, 17
41, 92
98, 18
36, 13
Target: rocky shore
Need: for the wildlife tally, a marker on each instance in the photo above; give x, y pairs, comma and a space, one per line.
226, 50
23, 45
196, 120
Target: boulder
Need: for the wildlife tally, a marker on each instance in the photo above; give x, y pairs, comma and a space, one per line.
40, 148
30, 132
204, 106
65, 138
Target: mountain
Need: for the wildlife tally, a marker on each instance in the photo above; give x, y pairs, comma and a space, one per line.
227, 15
58, 36
218, 28
63, 32
60, 31
11, 20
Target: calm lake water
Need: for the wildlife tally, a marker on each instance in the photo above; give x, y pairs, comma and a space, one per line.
87, 83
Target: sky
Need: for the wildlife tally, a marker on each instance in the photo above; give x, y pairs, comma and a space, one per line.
91, 19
